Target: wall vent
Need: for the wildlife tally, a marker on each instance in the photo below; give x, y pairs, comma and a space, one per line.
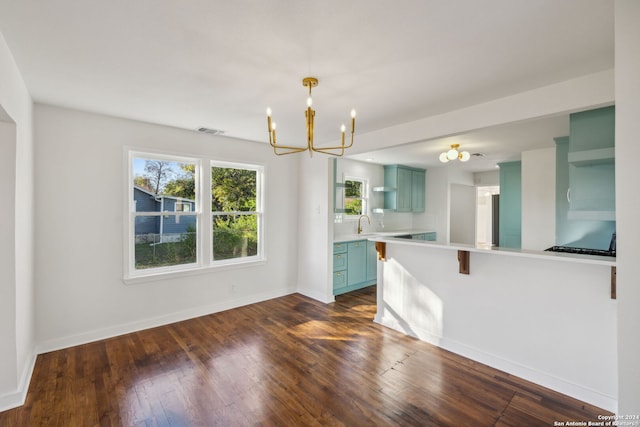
211, 131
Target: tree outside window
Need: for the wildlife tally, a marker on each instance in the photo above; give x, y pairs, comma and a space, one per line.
234, 212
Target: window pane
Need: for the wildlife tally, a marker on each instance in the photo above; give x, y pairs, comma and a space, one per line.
158, 185
162, 241
352, 206
235, 236
233, 190
353, 188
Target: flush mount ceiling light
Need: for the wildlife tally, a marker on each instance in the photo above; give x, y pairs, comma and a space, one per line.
453, 154
309, 114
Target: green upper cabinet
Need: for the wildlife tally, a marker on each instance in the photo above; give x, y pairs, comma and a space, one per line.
417, 190
591, 158
510, 205
575, 232
406, 188
592, 130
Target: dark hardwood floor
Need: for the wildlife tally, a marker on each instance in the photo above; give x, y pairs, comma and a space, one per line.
290, 361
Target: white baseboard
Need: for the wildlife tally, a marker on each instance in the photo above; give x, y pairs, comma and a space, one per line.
17, 398
314, 294
544, 379
113, 331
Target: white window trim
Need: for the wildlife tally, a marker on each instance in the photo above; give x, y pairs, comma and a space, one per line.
259, 169
204, 227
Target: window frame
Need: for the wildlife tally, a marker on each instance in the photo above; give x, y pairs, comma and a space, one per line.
259, 169
202, 212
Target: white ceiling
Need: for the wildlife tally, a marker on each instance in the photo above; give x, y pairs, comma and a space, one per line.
219, 64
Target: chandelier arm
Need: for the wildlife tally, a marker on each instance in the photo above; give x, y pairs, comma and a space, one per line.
291, 150
338, 147
319, 150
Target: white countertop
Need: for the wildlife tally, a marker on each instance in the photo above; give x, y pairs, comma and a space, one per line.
372, 234
579, 258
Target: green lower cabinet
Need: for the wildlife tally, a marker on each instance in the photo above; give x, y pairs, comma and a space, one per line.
354, 266
356, 262
339, 279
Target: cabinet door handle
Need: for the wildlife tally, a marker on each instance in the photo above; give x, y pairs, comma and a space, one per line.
568, 195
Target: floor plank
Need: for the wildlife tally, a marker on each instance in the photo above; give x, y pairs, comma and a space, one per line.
290, 361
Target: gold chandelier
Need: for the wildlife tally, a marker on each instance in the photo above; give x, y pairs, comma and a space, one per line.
453, 154
309, 115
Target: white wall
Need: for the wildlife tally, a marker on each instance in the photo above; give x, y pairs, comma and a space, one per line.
80, 183
8, 356
487, 179
551, 322
315, 227
17, 285
538, 198
462, 214
436, 213
627, 37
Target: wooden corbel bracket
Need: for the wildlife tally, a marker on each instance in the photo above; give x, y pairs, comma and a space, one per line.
613, 282
381, 248
463, 262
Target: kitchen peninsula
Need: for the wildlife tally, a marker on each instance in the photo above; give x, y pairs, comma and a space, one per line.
546, 317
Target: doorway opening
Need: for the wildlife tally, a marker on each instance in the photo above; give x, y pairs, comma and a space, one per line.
487, 216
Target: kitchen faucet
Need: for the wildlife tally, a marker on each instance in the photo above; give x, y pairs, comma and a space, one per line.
359, 223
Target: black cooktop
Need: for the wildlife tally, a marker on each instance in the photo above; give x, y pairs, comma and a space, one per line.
584, 251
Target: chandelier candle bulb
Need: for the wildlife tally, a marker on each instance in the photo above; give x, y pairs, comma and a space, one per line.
269, 125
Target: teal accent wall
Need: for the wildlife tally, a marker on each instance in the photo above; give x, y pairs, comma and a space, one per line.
510, 205
577, 233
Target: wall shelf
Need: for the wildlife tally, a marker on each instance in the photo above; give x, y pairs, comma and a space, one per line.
382, 210
383, 189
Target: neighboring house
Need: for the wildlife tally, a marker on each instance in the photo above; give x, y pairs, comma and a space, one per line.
166, 227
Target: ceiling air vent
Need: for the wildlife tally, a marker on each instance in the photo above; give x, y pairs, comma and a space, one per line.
211, 131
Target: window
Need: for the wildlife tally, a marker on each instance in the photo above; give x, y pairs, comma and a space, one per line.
168, 228
235, 216
183, 207
355, 196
